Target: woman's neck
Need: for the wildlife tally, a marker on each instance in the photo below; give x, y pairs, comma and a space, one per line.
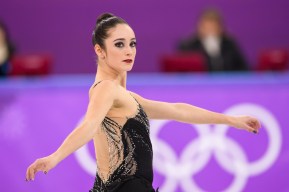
119, 78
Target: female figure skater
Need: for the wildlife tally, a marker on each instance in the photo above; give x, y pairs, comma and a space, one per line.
118, 120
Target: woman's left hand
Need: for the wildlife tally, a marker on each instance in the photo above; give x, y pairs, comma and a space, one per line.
247, 123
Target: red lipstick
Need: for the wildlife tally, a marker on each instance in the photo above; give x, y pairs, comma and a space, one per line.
128, 60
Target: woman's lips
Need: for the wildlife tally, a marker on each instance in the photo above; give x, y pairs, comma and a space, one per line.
128, 60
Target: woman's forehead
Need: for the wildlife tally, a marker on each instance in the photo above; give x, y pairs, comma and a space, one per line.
121, 31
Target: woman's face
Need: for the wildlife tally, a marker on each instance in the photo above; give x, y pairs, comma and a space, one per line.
120, 48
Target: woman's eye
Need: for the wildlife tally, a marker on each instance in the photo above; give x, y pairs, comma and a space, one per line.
133, 44
119, 44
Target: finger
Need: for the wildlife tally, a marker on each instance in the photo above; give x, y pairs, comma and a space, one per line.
250, 129
254, 130
41, 167
33, 170
31, 173
27, 175
256, 126
256, 123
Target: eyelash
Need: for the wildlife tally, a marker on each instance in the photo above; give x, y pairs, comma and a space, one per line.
133, 43
121, 44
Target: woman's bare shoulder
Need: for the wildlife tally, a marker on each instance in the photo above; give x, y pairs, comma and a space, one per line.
102, 88
138, 97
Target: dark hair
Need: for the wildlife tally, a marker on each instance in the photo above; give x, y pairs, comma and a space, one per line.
104, 22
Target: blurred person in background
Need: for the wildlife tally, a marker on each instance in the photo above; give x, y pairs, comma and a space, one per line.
220, 51
6, 50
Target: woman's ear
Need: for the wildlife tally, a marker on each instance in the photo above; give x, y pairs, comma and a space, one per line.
99, 51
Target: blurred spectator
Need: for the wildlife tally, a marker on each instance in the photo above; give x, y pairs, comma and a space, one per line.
6, 50
220, 51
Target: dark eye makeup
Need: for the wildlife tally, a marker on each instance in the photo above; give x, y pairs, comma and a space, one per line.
121, 44
133, 44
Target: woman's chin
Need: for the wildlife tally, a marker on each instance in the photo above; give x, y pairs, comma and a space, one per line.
128, 68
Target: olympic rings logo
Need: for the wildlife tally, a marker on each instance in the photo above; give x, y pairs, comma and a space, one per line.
197, 154
230, 156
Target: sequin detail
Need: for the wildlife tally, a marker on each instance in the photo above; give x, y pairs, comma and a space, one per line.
130, 152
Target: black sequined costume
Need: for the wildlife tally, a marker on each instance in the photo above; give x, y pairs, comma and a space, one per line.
130, 155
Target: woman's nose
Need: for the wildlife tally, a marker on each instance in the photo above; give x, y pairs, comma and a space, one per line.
128, 51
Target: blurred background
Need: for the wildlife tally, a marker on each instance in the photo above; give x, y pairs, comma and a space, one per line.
63, 31
226, 56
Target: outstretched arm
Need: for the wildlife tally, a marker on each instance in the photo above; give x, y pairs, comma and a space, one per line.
101, 100
191, 114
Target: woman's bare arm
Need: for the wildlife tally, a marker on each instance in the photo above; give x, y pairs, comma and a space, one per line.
101, 100
195, 115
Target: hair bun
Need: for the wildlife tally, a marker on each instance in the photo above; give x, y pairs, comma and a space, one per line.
104, 16
104, 22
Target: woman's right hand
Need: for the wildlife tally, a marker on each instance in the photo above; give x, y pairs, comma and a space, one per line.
44, 164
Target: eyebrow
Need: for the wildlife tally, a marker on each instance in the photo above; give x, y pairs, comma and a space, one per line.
122, 39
